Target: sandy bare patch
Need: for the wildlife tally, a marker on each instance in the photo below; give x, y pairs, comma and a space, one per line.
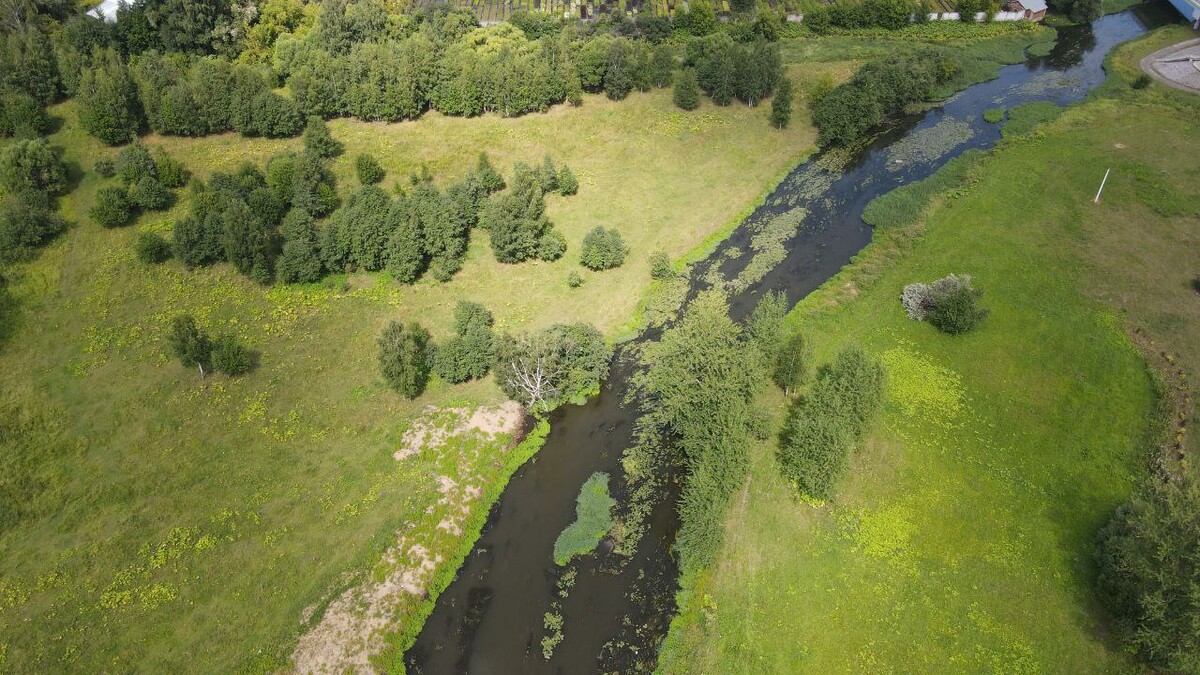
431, 430
352, 628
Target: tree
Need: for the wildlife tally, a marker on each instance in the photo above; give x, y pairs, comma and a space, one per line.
133, 163
967, 9
190, 343
22, 116
404, 357
170, 172
318, 140
492, 180
26, 222
1149, 574
687, 90
568, 184
702, 19
149, 194
250, 245
603, 249
545, 369
31, 165
187, 25
548, 175
767, 24
790, 367
230, 357
368, 170
781, 105
112, 207
108, 103
274, 116
28, 64
151, 248
299, 261
956, 311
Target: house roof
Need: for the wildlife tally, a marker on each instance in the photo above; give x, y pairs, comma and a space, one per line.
1034, 5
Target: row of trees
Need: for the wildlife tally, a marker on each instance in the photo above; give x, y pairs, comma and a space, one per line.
879, 89
728, 70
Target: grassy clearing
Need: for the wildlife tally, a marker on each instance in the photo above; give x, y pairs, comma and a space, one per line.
962, 541
181, 525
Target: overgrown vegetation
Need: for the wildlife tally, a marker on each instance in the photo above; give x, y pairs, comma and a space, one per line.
593, 520
950, 304
544, 369
1150, 574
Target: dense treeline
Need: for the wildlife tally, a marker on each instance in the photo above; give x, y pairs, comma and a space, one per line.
32, 174
879, 89
727, 70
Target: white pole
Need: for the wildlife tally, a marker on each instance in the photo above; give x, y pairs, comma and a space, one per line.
1097, 199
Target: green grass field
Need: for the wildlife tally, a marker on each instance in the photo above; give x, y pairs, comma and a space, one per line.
961, 540
180, 525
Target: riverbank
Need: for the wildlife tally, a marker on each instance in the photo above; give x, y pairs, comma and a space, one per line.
962, 538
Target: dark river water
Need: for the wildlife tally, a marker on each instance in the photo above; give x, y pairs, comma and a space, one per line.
490, 620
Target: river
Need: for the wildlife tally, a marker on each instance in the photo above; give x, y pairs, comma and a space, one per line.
490, 620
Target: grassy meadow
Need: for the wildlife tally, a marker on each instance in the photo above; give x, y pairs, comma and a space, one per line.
961, 539
179, 525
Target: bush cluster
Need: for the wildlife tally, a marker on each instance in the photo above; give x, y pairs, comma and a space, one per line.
516, 219
195, 349
603, 249
950, 304
145, 183
727, 70
822, 427
468, 355
21, 115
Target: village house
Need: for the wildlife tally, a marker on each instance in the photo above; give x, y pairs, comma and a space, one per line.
1034, 10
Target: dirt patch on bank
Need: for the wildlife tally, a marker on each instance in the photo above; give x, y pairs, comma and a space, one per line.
353, 626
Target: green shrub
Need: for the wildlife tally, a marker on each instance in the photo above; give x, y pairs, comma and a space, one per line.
956, 311
230, 357
27, 220
149, 194
274, 116
603, 249
467, 355
1141, 81
993, 115
545, 369
568, 184
574, 279
112, 207
318, 140
152, 248
687, 90
31, 165
105, 167
404, 358
1149, 574
134, 163
368, 169
170, 172
593, 520
552, 245
660, 266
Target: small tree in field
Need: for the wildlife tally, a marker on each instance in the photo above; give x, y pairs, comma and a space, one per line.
687, 90
189, 343
318, 140
568, 184
112, 207
781, 105
152, 248
368, 170
791, 363
230, 357
404, 357
603, 249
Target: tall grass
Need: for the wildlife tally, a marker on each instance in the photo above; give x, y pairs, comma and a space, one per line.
903, 206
